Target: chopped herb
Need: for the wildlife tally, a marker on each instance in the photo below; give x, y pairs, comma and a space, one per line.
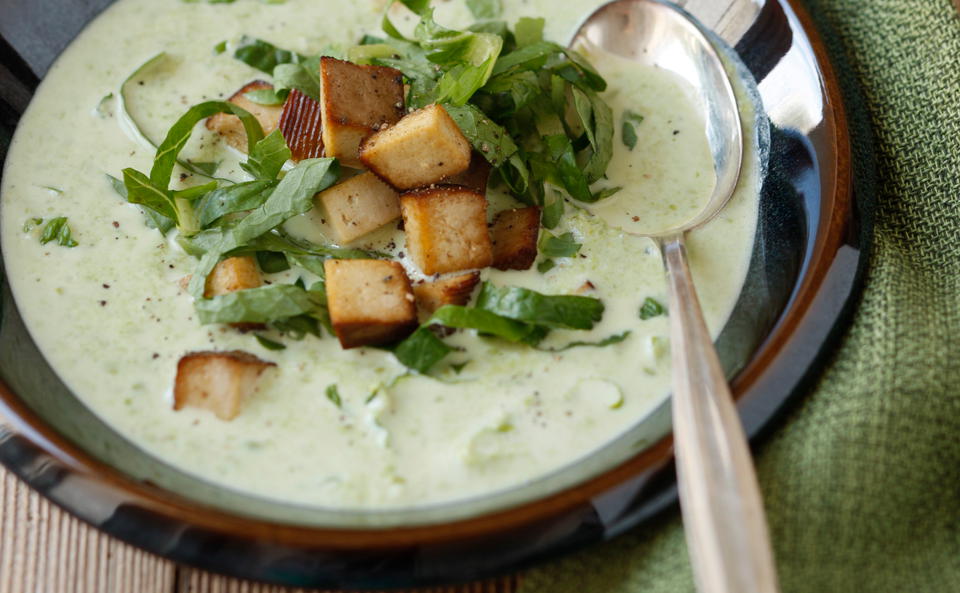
628, 130
303, 76
265, 97
371, 40
333, 394
607, 192
155, 220
233, 198
488, 138
269, 344
299, 327
553, 211
31, 224
488, 323
50, 188
512, 94
220, 48
153, 192
614, 339
293, 196
57, 229
263, 55
271, 262
267, 157
651, 308
459, 366
546, 265
521, 304
514, 314
421, 350
629, 135
563, 246
257, 305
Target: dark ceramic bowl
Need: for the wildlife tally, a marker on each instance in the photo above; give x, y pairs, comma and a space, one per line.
806, 265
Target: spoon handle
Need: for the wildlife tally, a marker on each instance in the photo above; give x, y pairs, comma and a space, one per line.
723, 515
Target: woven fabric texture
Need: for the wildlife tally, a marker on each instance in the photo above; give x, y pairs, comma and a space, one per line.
862, 480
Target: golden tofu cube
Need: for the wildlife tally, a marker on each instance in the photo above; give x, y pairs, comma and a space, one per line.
515, 234
300, 124
452, 290
370, 301
217, 381
359, 205
356, 101
233, 274
423, 148
447, 229
230, 126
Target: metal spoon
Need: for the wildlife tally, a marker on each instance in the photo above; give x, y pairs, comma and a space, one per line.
723, 513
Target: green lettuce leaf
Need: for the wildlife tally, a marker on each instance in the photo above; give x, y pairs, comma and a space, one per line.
257, 305
521, 304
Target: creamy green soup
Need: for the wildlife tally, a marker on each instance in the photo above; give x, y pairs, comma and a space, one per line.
111, 317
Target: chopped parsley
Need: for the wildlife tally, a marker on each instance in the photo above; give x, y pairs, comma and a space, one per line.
628, 130
651, 308
558, 246
333, 394
56, 229
269, 344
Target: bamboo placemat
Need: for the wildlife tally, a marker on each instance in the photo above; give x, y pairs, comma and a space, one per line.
45, 550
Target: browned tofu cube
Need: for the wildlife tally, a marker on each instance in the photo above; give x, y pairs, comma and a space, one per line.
475, 177
300, 124
452, 290
515, 234
423, 148
360, 205
447, 229
356, 101
233, 274
230, 126
217, 381
370, 301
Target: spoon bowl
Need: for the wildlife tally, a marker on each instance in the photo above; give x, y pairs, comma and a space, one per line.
659, 34
723, 515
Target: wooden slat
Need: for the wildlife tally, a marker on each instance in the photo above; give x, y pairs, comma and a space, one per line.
44, 550
194, 581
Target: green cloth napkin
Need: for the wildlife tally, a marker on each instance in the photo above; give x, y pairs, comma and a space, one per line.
862, 480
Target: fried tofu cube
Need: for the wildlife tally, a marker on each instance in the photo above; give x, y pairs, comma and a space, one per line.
423, 148
515, 234
356, 101
452, 290
300, 124
447, 229
359, 205
233, 274
217, 381
370, 301
475, 177
230, 126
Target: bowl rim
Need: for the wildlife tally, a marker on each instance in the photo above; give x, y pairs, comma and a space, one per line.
838, 214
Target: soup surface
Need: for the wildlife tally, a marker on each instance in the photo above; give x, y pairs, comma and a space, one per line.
110, 314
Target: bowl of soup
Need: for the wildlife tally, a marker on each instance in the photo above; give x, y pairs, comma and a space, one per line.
340, 458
